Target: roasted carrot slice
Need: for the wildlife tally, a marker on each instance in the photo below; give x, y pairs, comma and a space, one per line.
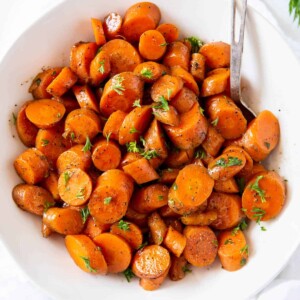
175, 241
213, 141
151, 262
32, 166
85, 253
151, 284
167, 212
169, 31
99, 68
168, 176
184, 100
130, 157
93, 228
51, 185
226, 186
74, 186
178, 54
112, 25
198, 66
200, 218
149, 71
137, 218
112, 126
178, 269
85, 97
168, 117
45, 113
178, 158
116, 251
98, 31
158, 228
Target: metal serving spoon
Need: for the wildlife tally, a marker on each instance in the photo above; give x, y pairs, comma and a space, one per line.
236, 59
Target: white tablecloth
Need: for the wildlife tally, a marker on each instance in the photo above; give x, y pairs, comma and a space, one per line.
15, 17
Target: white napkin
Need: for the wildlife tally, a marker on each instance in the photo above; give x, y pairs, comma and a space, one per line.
15, 17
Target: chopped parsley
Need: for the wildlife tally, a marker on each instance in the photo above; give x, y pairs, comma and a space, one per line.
84, 212
133, 147
47, 205
80, 194
200, 154
186, 269
143, 141
267, 145
45, 142
245, 250
255, 187
162, 104
38, 81
201, 110
128, 274
101, 68
242, 226
243, 261
117, 85
175, 187
123, 225
88, 264
133, 130
215, 243
67, 176
72, 136
169, 93
142, 246
258, 214
149, 154
228, 241
88, 145
160, 197
137, 103
108, 137
215, 122
107, 200
164, 44
147, 73
196, 43
232, 161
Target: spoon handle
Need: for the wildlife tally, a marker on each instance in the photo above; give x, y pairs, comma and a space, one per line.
236, 50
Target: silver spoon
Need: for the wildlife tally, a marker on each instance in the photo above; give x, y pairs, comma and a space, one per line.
236, 59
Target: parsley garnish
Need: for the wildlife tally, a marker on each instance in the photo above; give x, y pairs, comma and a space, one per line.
44, 142
243, 261
169, 92
259, 213
294, 9
201, 110
80, 194
47, 205
136, 103
38, 81
133, 147
242, 226
147, 73
84, 214
101, 68
88, 264
108, 137
133, 130
107, 200
67, 176
143, 141
123, 225
150, 154
245, 250
196, 43
128, 274
263, 228
200, 154
175, 187
267, 145
160, 197
232, 161
186, 269
162, 104
255, 187
117, 84
88, 145
72, 136
215, 243
228, 241
164, 44
215, 122
142, 246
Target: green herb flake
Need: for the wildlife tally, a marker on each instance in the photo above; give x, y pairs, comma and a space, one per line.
123, 225
107, 200
169, 93
262, 228
245, 250
243, 209
164, 44
255, 187
88, 264
80, 194
196, 43
142, 246
38, 81
128, 274
84, 212
294, 9
47, 205
200, 154
117, 85
14, 117
243, 261
267, 145
101, 68
232, 161
58, 115
242, 226
133, 147
201, 110
67, 176
228, 241
175, 187
186, 269
143, 141
147, 73
149, 154
133, 130
108, 137
215, 122
215, 243
45, 142
160, 197
258, 214
137, 103
162, 104
72, 136
88, 145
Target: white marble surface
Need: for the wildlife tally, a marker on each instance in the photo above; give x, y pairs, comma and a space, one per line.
15, 17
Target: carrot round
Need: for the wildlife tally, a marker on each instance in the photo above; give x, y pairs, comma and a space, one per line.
226, 186
184, 100
75, 157
132, 234
112, 25
229, 119
32, 166
93, 228
200, 218
233, 250
177, 54
74, 186
152, 45
85, 253
106, 155
99, 68
178, 269
62, 82
98, 31
168, 117
191, 188
85, 97
137, 218
112, 126
191, 131
228, 207
81, 124
116, 251
123, 57
175, 241
264, 196
217, 54
169, 31
158, 228
149, 71
109, 201
201, 245
130, 157
213, 141
168, 176
31, 198
120, 93
26, 130
179, 158
51, 185
63, 220
198, 67
151, 262
45, 113
139, 18
261, 136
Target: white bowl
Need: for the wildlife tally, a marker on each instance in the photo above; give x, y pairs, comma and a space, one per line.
271, 81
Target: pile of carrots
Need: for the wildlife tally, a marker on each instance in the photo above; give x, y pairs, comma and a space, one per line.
138, 156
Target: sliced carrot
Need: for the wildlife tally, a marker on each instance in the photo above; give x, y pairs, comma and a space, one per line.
213, 141
109, 201
45, 113
179, 158
120, 93
257, 168
141, 171
169, 31
150, 198
74, 186
191, 131
149, 71
81, 124
175, 223
86, 255
116, 251
134, 124
200, 218
178, 54
137, 218
99, 68
158, 228
98, 31
261, 136
92, 228
151, 262
132, 235
201, 245
264, 196
106, 155
112, 25
51, 185
168, 176
26, 130
168, 117
198, 66
85, 97
112, 126
233, 250
178, 269
226, 186
32, 166
187, 78
228, 207
167, 87
175, 241
151, 284
184, 100
130, 157
46, 231
75, 157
